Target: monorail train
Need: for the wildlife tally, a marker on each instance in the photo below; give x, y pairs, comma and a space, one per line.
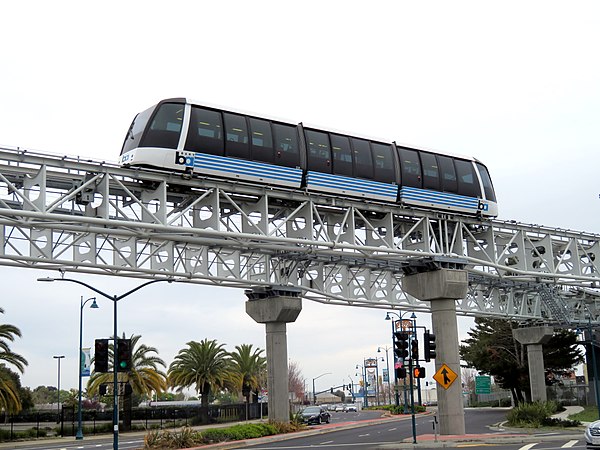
178, 134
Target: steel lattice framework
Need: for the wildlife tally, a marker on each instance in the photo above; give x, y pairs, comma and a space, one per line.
94, 217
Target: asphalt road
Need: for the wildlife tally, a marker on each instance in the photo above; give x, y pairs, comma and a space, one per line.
346, 433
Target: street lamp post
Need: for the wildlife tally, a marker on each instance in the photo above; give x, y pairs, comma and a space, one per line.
387, 364
94, 305
58, 358
365, 385
114, 298
314, 392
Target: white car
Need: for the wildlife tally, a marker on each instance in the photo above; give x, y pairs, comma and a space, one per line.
340, 408
592, 435
351, 408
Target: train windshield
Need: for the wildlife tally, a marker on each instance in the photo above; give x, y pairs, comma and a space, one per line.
136, 129
165, 127
487, 182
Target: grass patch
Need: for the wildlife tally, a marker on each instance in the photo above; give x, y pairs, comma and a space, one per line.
589, 414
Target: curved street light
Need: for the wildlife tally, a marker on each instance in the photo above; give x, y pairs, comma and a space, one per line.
387, 364
313, 380
114, 298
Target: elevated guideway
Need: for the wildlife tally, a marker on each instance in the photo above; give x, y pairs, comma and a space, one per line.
81, 215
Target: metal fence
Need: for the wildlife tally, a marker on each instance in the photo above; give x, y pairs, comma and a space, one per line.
36, 424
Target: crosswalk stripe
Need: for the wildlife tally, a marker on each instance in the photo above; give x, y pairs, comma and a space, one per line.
570, 444
528, 446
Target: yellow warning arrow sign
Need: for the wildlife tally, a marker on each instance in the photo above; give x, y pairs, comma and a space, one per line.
445, 376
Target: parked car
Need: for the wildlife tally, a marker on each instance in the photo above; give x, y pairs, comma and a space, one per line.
315, 415
340, 408
592, 435
351, 408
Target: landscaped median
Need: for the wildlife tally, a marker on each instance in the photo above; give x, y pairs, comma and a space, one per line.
188, 437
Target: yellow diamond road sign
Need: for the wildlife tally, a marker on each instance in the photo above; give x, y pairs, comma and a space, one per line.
445, 376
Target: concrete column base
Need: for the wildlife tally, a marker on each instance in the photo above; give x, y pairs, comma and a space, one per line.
534, 338
275, 311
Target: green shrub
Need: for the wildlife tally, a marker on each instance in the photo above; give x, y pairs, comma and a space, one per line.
537, 414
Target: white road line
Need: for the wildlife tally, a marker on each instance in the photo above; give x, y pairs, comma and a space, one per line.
528, 446
570, 444
363, 435
329, 442
392, 429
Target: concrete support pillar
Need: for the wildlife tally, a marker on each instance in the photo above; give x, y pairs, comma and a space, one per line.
275, 307
534, 338
442, 287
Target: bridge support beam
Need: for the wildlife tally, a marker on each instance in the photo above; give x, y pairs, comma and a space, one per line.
276, 307
534, 338
442, 287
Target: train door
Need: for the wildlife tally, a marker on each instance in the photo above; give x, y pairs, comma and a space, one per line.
318, 151
286, 146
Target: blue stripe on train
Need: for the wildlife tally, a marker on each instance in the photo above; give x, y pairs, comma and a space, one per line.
438, 198
243, 167
316, 180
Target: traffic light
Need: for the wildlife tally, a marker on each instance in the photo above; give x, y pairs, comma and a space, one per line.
419, 372
101, 355
414, 350
401, 344
429, 345
400, 373
123, 355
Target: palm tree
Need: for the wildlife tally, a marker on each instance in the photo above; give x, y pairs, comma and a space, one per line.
249, 367
144, 377
8, 332
9, 391
204, 365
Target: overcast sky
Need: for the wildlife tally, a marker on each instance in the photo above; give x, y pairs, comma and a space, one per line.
515, 84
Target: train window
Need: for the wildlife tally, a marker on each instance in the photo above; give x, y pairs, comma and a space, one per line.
319, 152
342, 155
285, 138
165, 127
431, 176
363, 160
383, 163
410, 167
205, 134
262, 140
236, 136
448, 174
468, 184
488, 188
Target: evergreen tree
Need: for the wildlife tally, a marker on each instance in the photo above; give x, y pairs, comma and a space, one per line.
492, 350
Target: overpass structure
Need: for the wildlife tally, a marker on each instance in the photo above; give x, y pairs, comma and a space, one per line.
81, 215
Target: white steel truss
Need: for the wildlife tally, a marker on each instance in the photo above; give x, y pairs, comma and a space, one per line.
87, 216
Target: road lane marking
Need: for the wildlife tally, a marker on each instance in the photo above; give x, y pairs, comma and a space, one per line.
570, 444
528, 446
329, 442
392, 429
